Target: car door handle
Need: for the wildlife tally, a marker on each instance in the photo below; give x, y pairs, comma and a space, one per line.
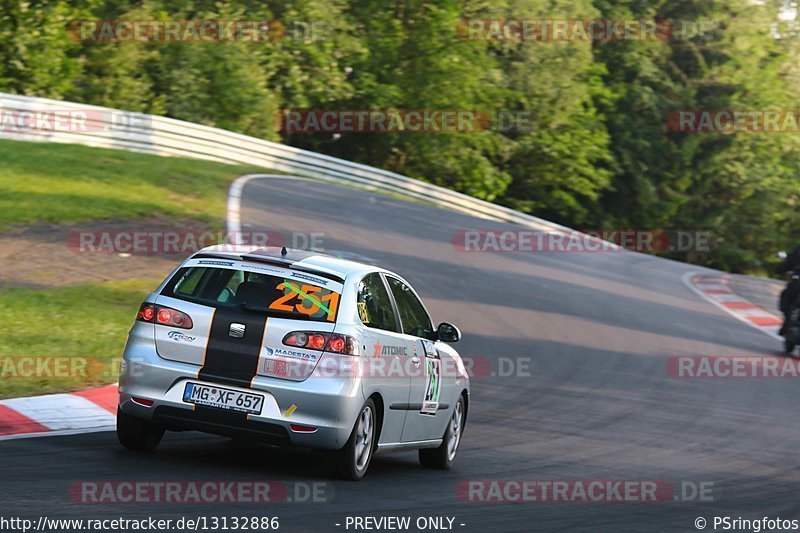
415, 360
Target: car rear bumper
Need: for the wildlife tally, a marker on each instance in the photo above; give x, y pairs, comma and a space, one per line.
330, 405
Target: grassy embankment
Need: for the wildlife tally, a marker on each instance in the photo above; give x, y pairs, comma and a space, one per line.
69, 185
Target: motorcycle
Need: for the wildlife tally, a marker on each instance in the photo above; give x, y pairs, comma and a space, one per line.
791, 329
791, 332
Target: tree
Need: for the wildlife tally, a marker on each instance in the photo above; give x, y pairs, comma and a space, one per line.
36, 46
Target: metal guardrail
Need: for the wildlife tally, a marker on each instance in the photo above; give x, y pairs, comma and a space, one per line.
109, 128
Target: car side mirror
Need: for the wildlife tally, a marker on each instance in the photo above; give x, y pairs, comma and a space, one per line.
448, 332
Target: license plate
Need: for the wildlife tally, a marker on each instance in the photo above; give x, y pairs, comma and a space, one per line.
220, 398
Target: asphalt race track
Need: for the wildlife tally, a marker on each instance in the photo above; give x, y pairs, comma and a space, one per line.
599, 403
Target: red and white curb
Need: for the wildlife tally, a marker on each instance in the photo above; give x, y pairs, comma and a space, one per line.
59, 414
714, 288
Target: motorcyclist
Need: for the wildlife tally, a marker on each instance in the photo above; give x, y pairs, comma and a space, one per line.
790, 266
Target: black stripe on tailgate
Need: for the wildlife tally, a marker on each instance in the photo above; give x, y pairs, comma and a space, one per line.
231, 360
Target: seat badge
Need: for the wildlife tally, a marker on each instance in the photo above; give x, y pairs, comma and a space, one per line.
236, 331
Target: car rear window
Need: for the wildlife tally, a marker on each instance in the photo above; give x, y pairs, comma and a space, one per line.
228, 287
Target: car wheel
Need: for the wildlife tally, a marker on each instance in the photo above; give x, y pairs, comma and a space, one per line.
788, 346
355, 457
443, 456
137, 434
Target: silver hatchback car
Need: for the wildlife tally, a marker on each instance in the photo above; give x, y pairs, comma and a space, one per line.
289, 347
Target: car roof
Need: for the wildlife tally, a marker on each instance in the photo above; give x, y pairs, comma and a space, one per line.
299, 259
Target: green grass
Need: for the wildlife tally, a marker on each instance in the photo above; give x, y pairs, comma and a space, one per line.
84, 325
47, 182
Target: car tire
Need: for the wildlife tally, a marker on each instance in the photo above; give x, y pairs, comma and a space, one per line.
353, 460
788, 346
442, 457
137, 434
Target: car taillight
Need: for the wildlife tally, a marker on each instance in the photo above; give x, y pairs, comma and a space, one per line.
316, 341
323, 342
336, 344
146, 313
166, 316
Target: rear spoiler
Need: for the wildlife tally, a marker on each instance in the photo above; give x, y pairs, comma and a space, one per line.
288, 261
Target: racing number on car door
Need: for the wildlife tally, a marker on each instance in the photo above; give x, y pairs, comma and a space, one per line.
433, 388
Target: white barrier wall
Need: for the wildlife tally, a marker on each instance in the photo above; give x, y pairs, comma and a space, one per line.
109, 128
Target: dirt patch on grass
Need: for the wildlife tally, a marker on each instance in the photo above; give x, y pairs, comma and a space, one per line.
59, 255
